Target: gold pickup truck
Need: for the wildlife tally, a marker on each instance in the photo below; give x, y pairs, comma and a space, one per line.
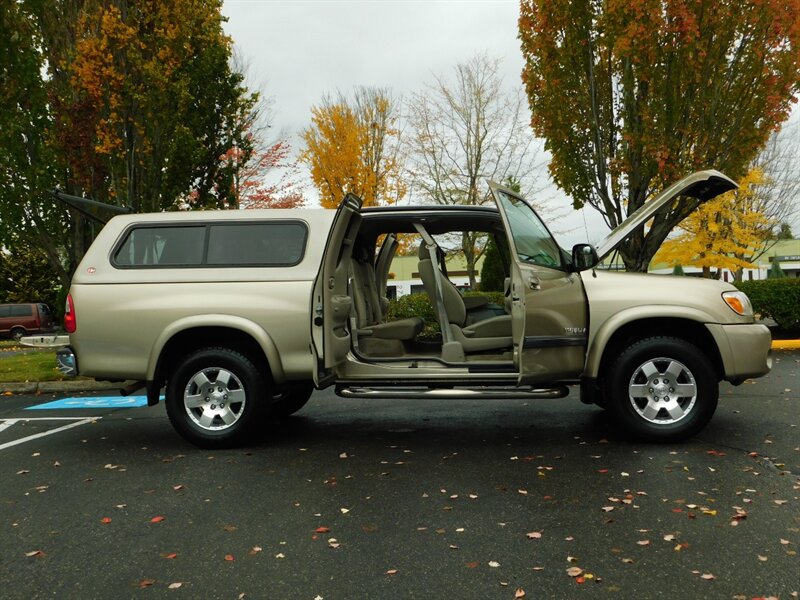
240, 315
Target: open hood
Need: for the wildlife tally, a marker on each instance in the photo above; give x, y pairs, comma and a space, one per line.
703, 185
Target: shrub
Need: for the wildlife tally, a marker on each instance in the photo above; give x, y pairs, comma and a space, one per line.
778, 299
414, 305
418, 305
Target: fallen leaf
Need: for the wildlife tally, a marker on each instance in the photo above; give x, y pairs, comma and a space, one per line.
230, 528
146, 583
36, 553
534, 535
780, 502
519, 593
170, 555
175, 586
669, 537
157, 519
229, 557
643, 542
391, 572
472, 565
279, 555
574, 571
255, 549
23, 472
178, 487
762, 558
322, 530
707, 576
105, 520
494, 564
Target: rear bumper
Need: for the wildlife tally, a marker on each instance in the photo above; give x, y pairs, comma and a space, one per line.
744, 349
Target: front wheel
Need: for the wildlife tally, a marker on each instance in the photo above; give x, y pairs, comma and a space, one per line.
215, 398
662, 389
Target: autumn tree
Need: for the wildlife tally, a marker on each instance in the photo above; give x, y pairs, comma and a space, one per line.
632, 94
352, 146
269, 179
727, 232
166, 106
467, 129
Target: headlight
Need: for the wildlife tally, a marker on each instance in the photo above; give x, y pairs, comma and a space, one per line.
739, 303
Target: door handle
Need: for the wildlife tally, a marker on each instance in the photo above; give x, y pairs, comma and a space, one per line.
534, 283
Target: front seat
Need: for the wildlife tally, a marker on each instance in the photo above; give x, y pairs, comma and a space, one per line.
489, 334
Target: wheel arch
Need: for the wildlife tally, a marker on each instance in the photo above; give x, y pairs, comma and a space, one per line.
184, 336
614, 337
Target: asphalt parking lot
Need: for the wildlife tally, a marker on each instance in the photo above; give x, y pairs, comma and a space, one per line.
381, 499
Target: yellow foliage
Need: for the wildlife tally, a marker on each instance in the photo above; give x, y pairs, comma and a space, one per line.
723, 232
346, 150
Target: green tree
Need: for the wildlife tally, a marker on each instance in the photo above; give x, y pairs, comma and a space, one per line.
26, 275
632, 94
775, 271
784, 232
130, 103
492, 273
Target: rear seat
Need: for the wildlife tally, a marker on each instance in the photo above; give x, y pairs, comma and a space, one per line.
369, 316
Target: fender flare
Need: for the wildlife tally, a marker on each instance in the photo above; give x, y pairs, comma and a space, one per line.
599, 341
262, 338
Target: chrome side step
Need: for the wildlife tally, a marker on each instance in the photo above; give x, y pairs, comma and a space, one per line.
454, 393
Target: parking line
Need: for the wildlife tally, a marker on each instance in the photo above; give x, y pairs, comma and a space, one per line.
8, 422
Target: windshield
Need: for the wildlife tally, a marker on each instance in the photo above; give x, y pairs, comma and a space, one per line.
532, 242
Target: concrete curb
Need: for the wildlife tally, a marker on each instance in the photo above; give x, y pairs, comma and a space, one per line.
786, 344
51, 387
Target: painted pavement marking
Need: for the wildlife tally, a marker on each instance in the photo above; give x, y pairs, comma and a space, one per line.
93, 402
6, 423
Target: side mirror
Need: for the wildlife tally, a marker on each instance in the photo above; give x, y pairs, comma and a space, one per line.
584, 256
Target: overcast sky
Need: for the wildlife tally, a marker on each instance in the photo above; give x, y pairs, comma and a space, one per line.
297, 51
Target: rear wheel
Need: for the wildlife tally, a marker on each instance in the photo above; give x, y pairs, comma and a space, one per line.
291, 399
17, 333
216, 397
662, 389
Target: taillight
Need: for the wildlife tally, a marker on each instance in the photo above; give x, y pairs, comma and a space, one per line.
70, 324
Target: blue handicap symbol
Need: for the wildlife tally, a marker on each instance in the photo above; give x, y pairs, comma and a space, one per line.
93, 402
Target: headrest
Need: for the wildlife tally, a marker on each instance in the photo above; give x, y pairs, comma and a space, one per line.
424, 253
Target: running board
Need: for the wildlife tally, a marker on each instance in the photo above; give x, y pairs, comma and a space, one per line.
479, 393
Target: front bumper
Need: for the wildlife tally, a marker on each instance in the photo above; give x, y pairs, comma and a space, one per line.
66, 362
744, 349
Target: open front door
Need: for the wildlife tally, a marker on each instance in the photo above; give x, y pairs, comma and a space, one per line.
548, 304
331, 303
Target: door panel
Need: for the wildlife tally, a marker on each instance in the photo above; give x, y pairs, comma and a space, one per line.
331, 301
549, 310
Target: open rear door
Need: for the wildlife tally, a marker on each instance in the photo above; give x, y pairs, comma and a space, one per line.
331, 303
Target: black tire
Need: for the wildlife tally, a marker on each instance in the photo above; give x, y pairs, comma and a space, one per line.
291, 399
17, 333
662, 389
216, 398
